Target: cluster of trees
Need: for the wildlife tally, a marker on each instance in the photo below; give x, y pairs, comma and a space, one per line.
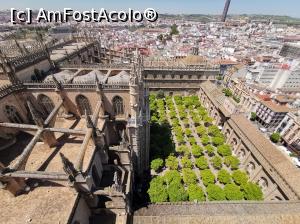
275, 137
174, 186
174, 30
205, 140
201, 130
183, 150
236, 99
224, 177
161, 143
210, 150
215, 193
232, 161
201, 163
239, 177
253, 116
186, 162
227, 92
157, 164
171, 162
179, 134
224, 150
207, 177
195, 193
170, 188
189, 176
217, 162
197, 151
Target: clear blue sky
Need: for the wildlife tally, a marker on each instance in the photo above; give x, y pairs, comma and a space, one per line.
274, 7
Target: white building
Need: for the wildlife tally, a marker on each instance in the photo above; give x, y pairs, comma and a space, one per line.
270, 114
289, 129
279, 76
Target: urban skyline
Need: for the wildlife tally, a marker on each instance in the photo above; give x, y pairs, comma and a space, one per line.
267, 7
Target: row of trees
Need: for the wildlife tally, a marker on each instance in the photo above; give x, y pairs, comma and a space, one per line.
171, 187
161, 143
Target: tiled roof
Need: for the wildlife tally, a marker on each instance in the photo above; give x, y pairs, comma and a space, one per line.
279, 162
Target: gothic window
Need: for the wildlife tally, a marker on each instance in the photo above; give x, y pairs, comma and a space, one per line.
118, 105
250, 168
83, 105
242, 154
46, 103
227, 133
12, 114
234, 142
216, 116
263, 183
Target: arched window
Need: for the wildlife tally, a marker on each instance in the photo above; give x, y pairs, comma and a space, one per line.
250, 168
46, 103
263, 183
118, 105
241, 154
216, 115
12, 114
83, 105
234, 143
227, 133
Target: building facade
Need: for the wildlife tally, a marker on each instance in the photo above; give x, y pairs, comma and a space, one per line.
86, 139
289, 129
270, 114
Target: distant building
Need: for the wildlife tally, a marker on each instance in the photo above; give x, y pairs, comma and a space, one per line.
227, 4
289, 129
290, 51
284, 76
270, 114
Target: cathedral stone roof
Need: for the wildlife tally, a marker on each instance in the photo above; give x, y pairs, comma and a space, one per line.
121, 77
62, 76
90, 77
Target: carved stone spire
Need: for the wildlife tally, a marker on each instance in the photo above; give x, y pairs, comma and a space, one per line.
19, 47
133, 76
89, 122
68, 167
98, 84
25, 49
11, 74
36, 116
57, 83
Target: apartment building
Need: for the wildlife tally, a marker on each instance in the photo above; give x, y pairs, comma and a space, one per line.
270, 114
278, 76
289, 129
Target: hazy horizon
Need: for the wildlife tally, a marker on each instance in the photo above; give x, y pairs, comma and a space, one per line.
207, 7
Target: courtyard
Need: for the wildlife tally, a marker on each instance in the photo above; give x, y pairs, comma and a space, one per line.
190, 158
